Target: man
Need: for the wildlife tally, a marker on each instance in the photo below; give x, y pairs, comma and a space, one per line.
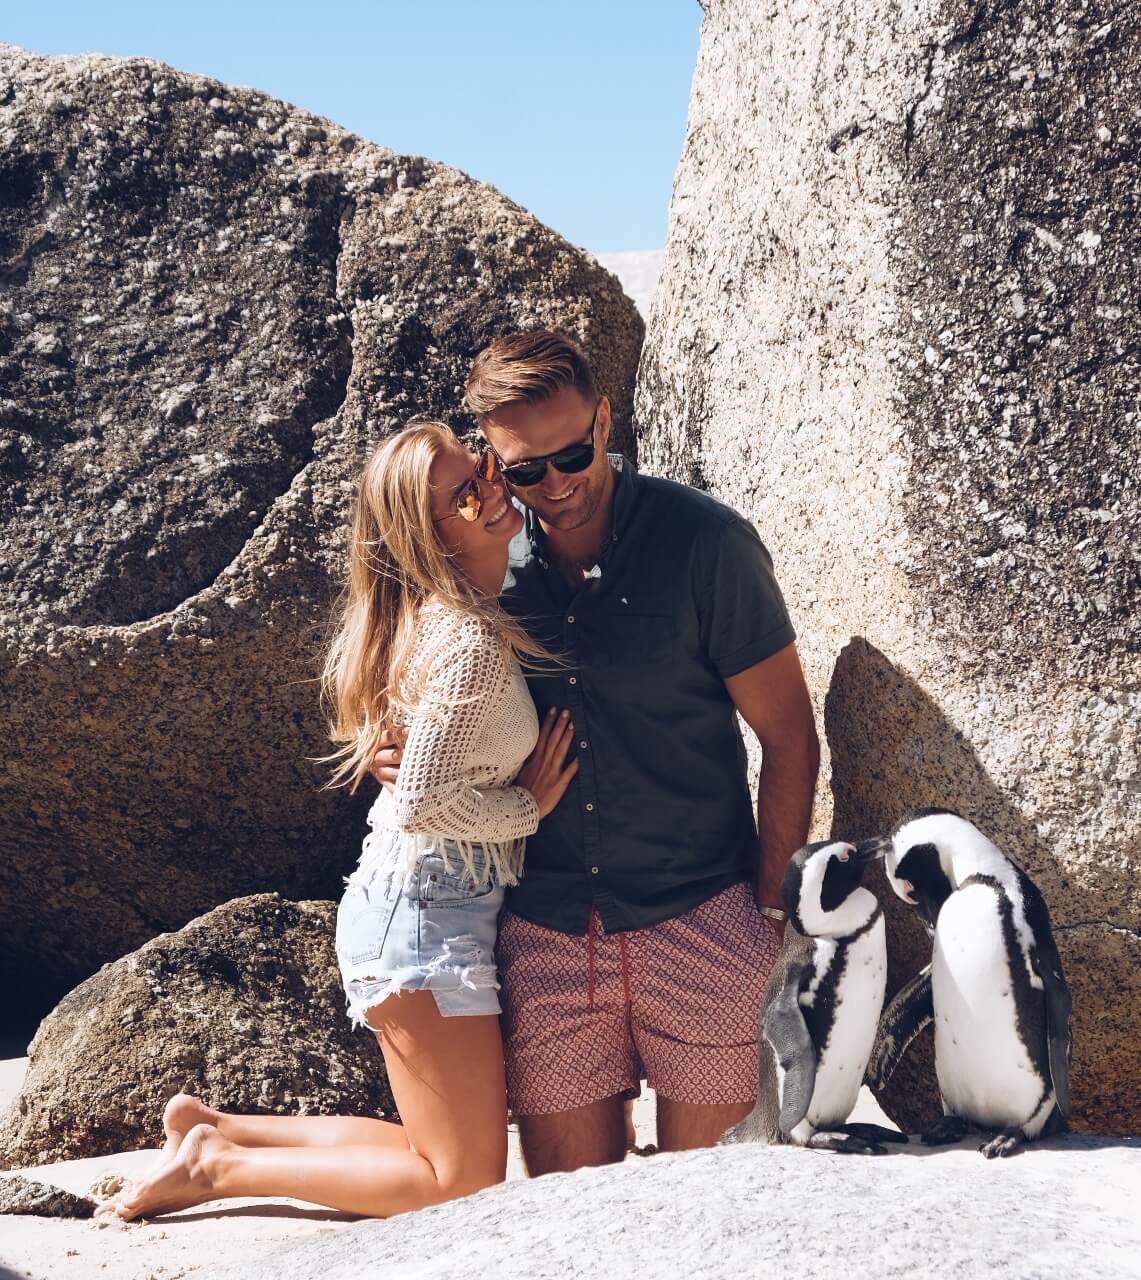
635, 940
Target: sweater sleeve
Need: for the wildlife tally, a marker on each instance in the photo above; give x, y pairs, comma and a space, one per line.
464, 680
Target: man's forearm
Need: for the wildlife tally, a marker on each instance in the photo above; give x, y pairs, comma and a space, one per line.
784, 812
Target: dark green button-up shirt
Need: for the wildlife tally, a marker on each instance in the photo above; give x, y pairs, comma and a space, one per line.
659, 817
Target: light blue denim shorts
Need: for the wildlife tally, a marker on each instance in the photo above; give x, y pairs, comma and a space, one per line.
430, 929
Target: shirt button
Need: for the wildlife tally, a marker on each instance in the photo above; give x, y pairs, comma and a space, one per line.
594, 871
573, 680
590, 808
582, 744
570, 617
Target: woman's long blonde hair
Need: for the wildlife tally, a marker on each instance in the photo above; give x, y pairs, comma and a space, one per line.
397, 561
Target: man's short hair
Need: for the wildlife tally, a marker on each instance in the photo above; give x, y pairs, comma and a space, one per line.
527, 366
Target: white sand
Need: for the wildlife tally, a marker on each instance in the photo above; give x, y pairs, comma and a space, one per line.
222, 1232
62, 1249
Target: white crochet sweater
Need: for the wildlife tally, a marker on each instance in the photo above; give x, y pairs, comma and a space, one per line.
474, 726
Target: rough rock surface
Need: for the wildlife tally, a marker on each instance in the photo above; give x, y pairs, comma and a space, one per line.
212, 306
243, 1008
754, 1211
23, 1196
896, 328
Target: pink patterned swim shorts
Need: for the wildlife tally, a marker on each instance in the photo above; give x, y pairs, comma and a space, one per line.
586, 1017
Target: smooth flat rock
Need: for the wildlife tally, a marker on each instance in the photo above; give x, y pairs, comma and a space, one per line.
1065, 1209
223, 1232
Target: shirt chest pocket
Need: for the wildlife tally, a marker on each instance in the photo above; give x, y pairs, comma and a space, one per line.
633, 639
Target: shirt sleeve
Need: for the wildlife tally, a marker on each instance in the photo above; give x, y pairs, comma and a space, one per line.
463, 683
743, 615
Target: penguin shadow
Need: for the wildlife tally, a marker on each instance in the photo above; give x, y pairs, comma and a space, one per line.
893, 751
1064, 1142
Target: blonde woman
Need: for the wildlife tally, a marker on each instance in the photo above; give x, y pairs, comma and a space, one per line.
421, 644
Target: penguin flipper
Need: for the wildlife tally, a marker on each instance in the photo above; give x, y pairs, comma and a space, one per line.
910, 1010
1048, 966
783, 1026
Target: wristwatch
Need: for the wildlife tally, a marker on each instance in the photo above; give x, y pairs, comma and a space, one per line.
774, 913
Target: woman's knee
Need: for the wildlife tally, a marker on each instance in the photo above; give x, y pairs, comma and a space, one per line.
467, 1177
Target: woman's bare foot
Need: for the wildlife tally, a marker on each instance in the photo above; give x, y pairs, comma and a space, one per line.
186, 1179
182, 1113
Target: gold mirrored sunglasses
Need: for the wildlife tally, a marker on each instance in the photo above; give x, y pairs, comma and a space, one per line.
469, 504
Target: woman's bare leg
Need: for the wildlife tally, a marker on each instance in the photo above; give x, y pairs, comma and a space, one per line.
447, 1078
184, 1111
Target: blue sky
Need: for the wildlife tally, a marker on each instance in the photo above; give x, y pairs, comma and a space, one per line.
576, 111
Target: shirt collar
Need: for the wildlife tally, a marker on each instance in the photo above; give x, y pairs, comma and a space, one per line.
626, 483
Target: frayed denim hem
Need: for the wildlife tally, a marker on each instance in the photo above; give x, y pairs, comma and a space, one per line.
450, 983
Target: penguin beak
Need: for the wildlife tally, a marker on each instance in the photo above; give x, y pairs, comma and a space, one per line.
871, 850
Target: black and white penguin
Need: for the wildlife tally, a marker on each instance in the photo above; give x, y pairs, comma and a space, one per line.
821, 1007
994, 988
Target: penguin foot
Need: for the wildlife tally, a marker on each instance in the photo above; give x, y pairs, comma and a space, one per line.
845, 1143
871, 1132
944, 1131
1004, 1143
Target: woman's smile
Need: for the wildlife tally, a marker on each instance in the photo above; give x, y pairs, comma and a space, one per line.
498, 514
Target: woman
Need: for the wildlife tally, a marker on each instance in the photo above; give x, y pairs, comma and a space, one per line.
423, 644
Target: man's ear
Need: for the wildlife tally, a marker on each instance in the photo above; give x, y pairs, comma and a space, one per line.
604, 419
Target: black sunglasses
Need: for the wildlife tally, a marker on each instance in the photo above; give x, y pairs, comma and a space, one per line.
574, 458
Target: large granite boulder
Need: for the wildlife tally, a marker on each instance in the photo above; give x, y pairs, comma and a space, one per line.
893, 328
214, 305
243, 1008
756, 1211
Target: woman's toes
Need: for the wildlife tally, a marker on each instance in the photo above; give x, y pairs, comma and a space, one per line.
177, 1183
117, 1207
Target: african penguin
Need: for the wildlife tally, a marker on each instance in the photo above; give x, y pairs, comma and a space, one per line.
821, 1006
994, 987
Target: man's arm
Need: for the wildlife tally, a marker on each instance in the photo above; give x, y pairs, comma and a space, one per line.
773, 700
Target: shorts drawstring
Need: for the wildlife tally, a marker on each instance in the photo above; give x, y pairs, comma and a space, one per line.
590, 958
625, 968
592, 962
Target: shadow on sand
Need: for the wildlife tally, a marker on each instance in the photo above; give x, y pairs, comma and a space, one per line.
271, 1209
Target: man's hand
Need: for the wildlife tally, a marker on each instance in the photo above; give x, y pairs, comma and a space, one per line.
386, 762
